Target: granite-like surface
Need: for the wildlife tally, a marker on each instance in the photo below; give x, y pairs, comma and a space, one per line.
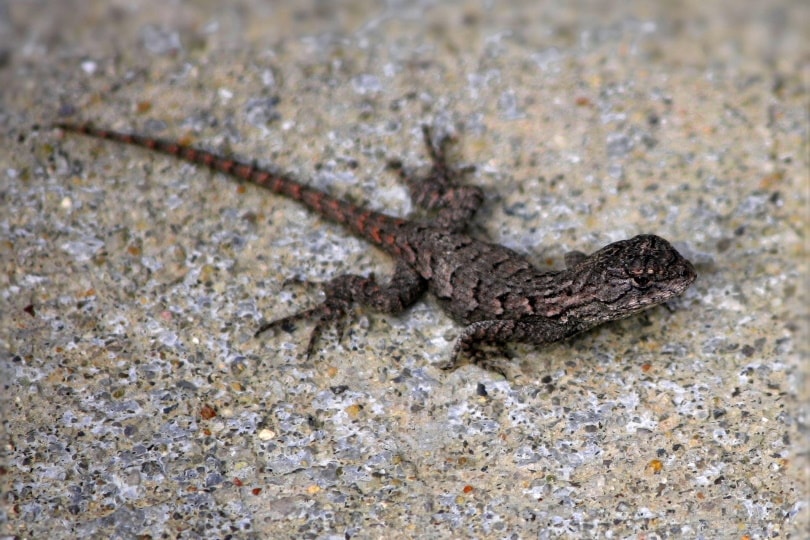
135, 401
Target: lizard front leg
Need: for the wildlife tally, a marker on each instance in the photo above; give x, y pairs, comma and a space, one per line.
344, 291
535, 330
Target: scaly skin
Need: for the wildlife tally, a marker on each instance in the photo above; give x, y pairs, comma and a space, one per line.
494, 291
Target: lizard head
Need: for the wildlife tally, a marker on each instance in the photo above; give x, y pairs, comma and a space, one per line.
632, 275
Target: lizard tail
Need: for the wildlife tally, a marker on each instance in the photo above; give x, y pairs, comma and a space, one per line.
375, 227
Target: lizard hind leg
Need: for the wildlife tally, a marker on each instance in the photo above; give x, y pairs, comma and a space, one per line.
344, 292
440, 188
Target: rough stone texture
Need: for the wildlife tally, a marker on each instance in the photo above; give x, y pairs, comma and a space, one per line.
136, 402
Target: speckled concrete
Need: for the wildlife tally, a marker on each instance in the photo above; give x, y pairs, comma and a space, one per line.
137, 403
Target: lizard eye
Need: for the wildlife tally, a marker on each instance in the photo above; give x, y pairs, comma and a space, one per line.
642, 282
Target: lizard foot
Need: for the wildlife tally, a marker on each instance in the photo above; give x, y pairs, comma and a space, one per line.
341, 294
347, 290
492, 357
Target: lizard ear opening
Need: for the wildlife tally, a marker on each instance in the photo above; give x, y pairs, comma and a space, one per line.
642, 282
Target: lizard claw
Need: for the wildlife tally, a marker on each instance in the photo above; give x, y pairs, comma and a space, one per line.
287, 323
332, 311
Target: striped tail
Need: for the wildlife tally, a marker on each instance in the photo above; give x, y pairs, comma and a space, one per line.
375, 227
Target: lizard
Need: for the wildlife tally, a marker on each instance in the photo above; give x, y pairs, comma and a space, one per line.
495, 292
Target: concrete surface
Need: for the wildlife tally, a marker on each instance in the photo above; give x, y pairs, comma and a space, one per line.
136, 402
